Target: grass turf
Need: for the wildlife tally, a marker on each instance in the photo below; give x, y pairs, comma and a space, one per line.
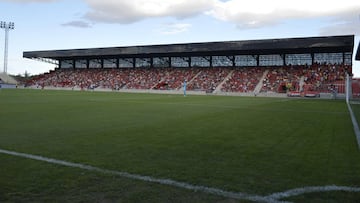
253, 145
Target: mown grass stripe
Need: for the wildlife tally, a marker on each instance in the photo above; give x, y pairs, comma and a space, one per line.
273, 198
210, 190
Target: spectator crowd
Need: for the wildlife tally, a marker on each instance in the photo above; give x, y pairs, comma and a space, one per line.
317, 77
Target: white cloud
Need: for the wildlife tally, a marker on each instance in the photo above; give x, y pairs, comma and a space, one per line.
259, 13
344, 23
126, 11
174, 28
79, 24
244, 14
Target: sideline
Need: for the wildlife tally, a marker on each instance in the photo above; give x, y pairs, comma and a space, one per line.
355, 124
272, 198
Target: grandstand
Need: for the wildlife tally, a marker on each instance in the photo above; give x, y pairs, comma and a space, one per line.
295, 67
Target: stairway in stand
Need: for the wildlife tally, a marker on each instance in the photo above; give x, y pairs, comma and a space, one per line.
261, 83
218, 88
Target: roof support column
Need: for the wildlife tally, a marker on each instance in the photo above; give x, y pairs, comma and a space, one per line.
73, 64
257, 58
283, 59
87, 63
312, 58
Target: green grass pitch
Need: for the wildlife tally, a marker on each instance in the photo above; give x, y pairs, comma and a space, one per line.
241, 144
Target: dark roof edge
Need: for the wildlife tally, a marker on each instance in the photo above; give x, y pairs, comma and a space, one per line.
244, 45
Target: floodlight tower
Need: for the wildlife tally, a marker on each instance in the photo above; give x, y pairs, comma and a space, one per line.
7, 26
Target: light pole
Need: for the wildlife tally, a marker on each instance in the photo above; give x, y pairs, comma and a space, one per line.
7, 26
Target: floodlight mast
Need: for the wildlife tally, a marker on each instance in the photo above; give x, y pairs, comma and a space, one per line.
7, 26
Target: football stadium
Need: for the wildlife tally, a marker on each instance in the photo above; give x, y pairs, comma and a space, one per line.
271, 120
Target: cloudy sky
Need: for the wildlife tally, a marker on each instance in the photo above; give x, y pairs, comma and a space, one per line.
67, 24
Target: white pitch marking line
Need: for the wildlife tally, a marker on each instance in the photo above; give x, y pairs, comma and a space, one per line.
214, 191
355, 124
273, 198
300, 191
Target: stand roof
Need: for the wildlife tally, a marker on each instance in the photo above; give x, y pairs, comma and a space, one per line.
330, 44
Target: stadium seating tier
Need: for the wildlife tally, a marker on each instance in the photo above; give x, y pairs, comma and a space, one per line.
317, 77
